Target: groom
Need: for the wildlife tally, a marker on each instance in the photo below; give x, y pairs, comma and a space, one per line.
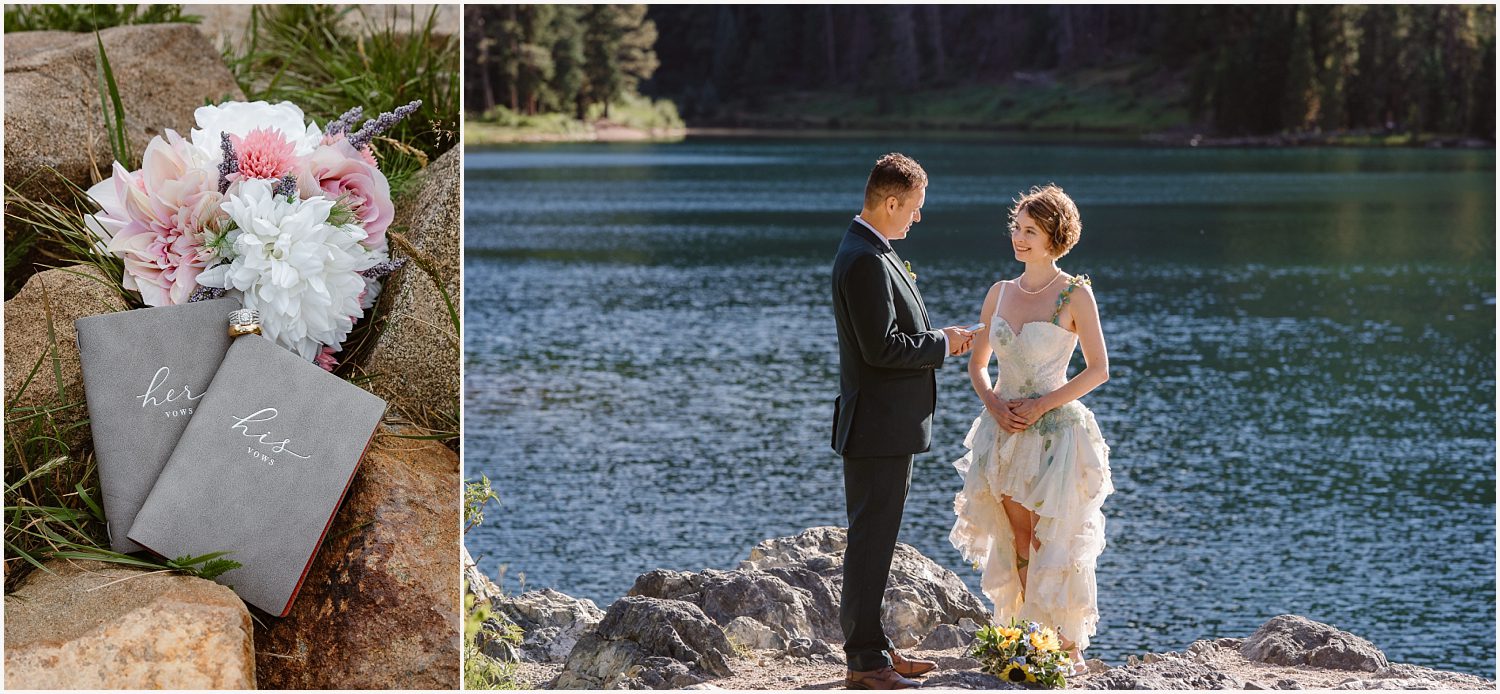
888, 354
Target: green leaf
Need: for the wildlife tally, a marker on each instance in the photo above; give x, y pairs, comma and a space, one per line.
114, 121
212, 564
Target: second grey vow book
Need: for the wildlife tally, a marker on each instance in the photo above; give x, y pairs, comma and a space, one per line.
144, 374
261, 470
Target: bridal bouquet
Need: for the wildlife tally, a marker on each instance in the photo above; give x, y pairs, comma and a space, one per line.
261, 204
1023, 652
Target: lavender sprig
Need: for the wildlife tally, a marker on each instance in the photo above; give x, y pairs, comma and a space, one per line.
287, 187
383, 268
344, 122
229, 164
203, 293
385, 122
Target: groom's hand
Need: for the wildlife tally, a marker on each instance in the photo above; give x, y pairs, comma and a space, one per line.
958, 340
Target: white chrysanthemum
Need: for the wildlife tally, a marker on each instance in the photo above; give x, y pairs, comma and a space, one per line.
299, 271
239, 118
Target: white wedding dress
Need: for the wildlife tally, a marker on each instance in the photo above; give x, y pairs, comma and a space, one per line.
1058, 468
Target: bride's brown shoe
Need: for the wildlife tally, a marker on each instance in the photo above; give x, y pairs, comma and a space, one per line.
884, 678
911, 667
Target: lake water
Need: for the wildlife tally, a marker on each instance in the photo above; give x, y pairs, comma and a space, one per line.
1301, 408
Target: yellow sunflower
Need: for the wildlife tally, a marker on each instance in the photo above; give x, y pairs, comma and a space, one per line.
1045, 640
1017, 673
1009, 635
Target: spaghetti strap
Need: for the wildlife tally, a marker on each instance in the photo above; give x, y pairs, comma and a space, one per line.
1066, 296
999, 299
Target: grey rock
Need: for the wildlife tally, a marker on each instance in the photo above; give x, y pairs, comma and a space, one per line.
647, 643
415, 358
163, 72
747, 632
947, 636
552, 622
945, 679
492, 644
920, 594
760, 595
1095, 666
808, 648
1293, 640
1447, 680
1165, 675
476, 583
1287, 683
1386, 684
1252, 684
960, 663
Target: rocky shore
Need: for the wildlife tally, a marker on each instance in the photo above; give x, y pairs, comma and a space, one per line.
772, 623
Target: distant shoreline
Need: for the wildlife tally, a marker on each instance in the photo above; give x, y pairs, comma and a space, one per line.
483, 134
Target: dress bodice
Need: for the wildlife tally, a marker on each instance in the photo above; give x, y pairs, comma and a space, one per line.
1034, 362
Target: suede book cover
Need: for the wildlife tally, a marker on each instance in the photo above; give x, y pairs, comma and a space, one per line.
145, 372
261, 470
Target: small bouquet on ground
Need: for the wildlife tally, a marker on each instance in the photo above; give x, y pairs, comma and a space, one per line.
1023, 652
263, 205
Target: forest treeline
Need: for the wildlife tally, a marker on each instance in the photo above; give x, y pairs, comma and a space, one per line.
1241, 69
555, 58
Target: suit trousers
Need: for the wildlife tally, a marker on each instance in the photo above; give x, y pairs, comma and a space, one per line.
875, 490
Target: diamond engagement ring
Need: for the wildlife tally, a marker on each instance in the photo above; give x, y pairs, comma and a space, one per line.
245, 321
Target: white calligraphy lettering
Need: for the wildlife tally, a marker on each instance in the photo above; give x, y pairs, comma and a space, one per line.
265, 415
158, 380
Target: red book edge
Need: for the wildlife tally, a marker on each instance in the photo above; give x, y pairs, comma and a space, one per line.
319, 546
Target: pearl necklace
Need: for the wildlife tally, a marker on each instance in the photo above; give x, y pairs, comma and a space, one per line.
1039, 290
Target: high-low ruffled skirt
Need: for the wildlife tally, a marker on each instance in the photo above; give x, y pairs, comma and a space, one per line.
1058, 468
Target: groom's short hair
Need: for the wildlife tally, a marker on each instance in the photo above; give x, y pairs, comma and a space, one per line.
894, 174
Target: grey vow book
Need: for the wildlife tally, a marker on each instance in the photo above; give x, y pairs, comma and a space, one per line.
261, 470
144, 374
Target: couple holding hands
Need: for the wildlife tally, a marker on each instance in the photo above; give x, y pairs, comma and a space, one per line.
1037, 468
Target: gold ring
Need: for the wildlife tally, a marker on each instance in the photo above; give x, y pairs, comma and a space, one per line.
246, 329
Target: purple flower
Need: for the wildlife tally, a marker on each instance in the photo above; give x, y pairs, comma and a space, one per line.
385, 122
344, 122
230, 164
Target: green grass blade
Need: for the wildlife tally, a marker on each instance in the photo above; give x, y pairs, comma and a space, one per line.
109, 95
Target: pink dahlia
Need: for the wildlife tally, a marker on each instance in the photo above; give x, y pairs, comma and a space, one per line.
264, 153
154, 219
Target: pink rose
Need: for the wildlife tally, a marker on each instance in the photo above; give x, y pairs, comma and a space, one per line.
336, 170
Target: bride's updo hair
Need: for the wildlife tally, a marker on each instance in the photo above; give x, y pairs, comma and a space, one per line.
1055, 215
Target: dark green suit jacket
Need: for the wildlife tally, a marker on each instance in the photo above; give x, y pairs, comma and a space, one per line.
888, 352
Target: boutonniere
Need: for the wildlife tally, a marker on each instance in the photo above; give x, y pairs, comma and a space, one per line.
908, 270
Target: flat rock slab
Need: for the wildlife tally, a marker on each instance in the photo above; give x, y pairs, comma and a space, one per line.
91, 625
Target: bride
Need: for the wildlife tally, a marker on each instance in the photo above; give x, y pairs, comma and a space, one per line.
1037, 470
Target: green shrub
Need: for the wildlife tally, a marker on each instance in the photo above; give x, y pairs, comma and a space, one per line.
90, 17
